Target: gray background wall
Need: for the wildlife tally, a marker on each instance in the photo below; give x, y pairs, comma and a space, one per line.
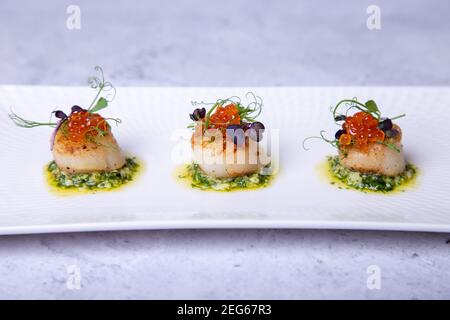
223, 43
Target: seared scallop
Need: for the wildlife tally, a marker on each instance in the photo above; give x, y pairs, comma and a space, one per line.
99, 154
220, 158
378, 158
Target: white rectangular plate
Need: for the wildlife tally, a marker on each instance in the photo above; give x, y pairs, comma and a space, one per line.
153, 118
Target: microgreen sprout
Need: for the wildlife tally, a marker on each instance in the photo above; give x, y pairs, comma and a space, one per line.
23, 123
369, 107
247, 113
334, 143
101, 85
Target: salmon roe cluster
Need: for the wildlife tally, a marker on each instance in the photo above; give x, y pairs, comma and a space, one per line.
361, 129
225, 115
82, 124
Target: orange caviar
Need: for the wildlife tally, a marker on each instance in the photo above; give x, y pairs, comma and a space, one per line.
225, 115
81, 124
363, 129
345, 139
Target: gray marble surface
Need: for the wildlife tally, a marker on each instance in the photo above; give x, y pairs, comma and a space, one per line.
226, 43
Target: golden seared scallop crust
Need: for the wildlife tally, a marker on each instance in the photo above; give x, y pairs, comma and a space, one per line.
101, 153
377, 159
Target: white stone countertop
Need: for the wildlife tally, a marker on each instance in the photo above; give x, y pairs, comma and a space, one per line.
226, 43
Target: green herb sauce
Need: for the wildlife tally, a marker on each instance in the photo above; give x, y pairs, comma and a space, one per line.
367, 181
196, 178
95, 181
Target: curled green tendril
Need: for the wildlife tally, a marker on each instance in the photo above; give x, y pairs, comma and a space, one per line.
23, 123
99, 83
334, 143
